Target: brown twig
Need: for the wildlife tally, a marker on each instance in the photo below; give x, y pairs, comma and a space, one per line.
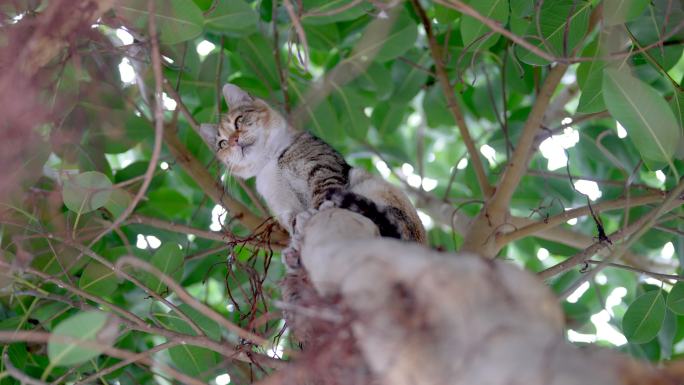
282, 76
190, 300
133, 358
300, 34
653, 274
454, 108
158, 127
497, 27
565, 216
633, 231
42, 337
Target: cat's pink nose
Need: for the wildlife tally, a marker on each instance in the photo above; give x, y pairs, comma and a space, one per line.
233, 140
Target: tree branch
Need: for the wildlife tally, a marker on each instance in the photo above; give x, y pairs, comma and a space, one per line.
518, 165
158, 127
660, 276
454, 108
188, 299
565, 216
635, 230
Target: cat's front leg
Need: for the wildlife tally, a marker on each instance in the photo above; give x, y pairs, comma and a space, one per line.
291, 255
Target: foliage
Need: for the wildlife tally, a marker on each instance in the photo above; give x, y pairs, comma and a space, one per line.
362, 77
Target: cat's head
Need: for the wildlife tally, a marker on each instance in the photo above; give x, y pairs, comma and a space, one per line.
247, 135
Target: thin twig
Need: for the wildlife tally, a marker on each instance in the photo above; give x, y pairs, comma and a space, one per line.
190, 300
565, 216
498, 27
158, 127
660, 276
300, 34
43, 337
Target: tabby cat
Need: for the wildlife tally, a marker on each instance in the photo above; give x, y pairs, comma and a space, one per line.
297, 172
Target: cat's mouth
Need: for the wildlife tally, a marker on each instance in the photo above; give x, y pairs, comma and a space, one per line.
245, 147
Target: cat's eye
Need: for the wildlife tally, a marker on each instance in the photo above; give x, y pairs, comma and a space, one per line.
237, 120
223, 144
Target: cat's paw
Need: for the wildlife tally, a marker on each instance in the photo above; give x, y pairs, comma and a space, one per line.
291, 258
301, 220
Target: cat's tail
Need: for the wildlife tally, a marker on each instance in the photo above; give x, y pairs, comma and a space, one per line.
382, 217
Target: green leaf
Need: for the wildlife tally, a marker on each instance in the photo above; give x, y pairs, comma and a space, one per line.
118, 201
675, 299
620, 11
83, 326
352, 116
169, 260
98, 279
86, 192
232, 16
177, 20
209, 326
667, 334
644, 317
402, 36
553, 33
472, 29
192, 360
677, 106
645, 115
445, 15
168, 203
257, 54
409, 79
322, 37
328, 11
590, 79
387, 117
435, 106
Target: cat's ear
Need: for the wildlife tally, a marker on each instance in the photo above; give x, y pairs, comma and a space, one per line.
234, 95
209, 133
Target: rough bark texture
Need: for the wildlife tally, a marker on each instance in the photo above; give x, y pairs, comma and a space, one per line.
423, 317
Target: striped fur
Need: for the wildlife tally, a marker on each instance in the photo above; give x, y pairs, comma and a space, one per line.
296, 171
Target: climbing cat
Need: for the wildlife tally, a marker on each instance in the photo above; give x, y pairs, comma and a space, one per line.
297, 172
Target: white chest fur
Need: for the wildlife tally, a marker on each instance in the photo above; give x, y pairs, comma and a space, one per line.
279, 194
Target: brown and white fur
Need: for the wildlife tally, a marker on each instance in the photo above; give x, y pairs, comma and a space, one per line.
297, 172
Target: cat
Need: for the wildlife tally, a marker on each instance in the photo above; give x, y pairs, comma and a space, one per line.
298, 173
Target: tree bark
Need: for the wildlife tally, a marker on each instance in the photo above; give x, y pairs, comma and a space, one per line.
424, 317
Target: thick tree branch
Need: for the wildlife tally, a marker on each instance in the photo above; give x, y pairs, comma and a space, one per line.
454, 108
518, 164
431, 311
